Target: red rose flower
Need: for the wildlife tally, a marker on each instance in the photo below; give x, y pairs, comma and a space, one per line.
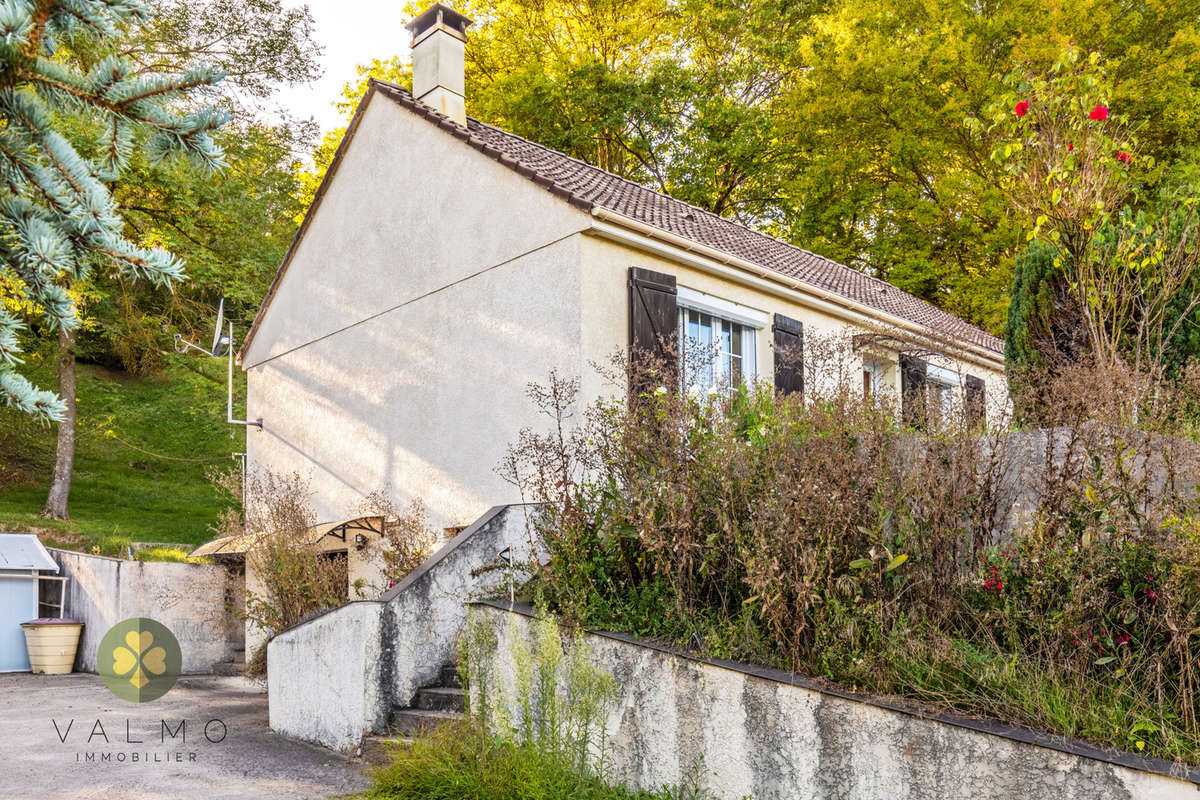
1123, 157
1099, 112
1021, 108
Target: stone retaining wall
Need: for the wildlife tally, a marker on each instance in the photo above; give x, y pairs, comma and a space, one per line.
745, 731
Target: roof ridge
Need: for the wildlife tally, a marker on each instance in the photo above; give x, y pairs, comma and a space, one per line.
987, 339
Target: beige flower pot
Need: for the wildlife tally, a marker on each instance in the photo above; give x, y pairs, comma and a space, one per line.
51, 644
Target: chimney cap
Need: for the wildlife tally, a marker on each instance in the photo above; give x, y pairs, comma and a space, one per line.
439, 15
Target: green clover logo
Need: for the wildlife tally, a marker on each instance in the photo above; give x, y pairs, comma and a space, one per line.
139, 659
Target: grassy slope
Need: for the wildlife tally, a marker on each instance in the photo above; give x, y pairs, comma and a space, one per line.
120, 494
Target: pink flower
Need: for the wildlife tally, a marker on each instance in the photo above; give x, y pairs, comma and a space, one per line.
1123, 156
1021, 108
1099, 113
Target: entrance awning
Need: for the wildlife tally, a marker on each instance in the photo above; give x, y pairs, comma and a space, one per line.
238, 545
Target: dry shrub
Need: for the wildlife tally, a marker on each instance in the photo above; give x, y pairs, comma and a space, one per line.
836, 536
408, 539
294, 578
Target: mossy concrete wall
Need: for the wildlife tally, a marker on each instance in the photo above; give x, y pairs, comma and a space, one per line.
194, 601
743, 731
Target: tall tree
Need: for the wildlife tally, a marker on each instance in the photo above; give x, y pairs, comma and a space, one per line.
261, 44
839, 125
57, 217
230, 228
891, 180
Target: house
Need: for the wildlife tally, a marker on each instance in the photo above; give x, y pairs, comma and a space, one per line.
446, 264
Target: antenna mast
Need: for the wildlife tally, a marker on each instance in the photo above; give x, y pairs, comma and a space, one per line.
222, 344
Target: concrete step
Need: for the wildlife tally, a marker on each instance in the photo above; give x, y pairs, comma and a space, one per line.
229, 668
413, 721
438, 698
449, 677
377, 750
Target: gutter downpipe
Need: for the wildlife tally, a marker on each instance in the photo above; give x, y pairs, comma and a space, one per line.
621, 228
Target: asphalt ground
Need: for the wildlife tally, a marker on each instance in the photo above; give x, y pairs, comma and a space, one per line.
67, 737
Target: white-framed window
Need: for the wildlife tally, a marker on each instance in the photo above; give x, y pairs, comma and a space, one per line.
872, 377
717, 341
942, 389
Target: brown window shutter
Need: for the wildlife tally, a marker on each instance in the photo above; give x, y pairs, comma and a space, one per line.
975, 401
912, 389
789, 354
653, 328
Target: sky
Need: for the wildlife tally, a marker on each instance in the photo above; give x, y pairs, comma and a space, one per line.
352, 32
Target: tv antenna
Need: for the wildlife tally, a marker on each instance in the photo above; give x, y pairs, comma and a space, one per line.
222, 345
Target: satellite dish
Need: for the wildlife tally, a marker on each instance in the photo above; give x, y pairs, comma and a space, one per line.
220, 340
222, 344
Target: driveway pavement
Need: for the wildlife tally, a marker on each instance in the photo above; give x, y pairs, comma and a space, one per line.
53, 732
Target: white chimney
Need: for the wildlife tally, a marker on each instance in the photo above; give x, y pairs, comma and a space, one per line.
439, 35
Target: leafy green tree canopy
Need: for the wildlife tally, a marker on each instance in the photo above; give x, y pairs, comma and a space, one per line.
839, 125
58, 220
1107, 278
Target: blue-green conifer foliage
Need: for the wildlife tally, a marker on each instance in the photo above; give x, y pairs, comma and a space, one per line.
58, 220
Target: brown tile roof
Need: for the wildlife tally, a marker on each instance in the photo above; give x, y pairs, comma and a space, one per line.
587, 186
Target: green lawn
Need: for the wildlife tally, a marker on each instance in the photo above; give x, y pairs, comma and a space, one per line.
144, 446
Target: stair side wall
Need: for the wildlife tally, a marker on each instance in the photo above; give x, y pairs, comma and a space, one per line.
428, 608
325, 677
335, 678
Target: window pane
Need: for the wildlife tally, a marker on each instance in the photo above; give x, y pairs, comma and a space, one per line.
716, 352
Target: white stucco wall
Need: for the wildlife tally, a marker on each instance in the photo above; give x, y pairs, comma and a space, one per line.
325, 677
451, 283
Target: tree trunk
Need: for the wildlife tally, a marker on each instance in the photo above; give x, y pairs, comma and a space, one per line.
64, 459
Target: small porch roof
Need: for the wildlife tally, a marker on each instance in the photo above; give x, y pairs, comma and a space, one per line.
238, 545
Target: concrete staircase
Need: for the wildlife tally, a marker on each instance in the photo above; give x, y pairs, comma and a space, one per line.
235, 667
434, 704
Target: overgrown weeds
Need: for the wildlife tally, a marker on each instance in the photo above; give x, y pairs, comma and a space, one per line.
555, 701
534, 728
1047, 577
462, 761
